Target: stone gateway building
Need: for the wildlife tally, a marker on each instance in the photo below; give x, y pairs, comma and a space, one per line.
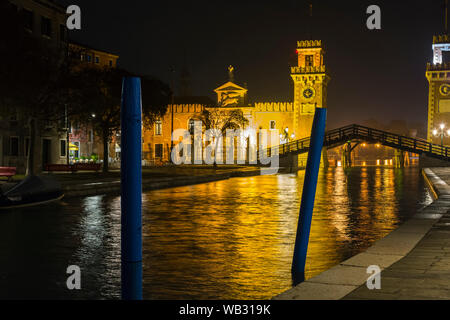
292, 120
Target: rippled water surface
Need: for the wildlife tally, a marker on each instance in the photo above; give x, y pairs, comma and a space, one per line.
230, 239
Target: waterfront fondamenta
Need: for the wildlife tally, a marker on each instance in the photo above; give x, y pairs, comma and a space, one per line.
230, 239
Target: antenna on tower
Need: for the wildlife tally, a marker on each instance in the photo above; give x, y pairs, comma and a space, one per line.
310, 20
446, 16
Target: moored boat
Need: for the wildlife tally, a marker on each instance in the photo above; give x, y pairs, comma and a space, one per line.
32, 191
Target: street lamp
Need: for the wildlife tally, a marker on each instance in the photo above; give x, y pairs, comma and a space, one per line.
285, 137
441, 133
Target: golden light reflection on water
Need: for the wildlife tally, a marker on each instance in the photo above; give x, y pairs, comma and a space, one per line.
234, 239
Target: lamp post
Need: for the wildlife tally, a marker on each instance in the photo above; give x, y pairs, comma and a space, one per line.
285, 137
441, 133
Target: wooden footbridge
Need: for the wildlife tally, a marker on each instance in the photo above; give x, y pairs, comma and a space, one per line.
356, 133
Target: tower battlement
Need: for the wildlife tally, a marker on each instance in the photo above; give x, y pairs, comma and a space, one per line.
308, 69
186, 108
443, 38
309, 44
274, 106
438, 67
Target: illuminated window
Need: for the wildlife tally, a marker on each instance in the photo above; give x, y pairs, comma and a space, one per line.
97, 60
158, 127
158, 150
272, 124
309, 60
88, 58
46, 27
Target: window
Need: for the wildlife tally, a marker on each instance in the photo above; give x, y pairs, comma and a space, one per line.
309, 60
158, 127
76, 153
62, 148
88, 58
28, 19
272, 124
97, 60
110, 63
14, 146
191, 126
62, 32
158, 150
91, 136
46, 26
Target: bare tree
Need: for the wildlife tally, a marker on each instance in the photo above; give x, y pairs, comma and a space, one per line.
221, 119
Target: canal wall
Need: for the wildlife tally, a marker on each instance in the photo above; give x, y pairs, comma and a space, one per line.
349, 275
113, 187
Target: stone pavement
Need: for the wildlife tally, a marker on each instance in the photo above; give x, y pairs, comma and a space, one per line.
424, 273
414, 259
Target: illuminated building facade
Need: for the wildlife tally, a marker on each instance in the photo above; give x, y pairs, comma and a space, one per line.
293, 120
438, 76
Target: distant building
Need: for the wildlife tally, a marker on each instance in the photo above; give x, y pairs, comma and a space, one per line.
47, 21
292, 119
84, 143
438, 76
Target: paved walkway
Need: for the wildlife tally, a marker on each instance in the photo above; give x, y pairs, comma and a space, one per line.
414, 259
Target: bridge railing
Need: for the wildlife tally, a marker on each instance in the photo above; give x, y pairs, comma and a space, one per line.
339, 136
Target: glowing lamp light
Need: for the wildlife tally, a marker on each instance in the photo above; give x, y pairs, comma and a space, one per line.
442, 126
292, 136
390, 162
339, 164
386, 162
378, 162
93, 115
434, 132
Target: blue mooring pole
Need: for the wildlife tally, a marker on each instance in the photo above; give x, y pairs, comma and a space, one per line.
131, 189
309, 193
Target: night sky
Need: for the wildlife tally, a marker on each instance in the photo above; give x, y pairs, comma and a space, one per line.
375, 74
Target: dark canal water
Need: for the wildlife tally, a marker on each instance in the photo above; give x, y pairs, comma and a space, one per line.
229, 239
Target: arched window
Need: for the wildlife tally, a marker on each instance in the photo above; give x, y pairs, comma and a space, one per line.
191, 125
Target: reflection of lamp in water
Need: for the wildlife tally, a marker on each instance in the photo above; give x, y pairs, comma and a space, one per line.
390, 162
386, 162
339, 163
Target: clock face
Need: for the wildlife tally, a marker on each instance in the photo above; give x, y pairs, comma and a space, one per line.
308, 93
444, 89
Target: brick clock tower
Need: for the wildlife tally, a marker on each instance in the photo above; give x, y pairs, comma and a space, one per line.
310, 87
438, 76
